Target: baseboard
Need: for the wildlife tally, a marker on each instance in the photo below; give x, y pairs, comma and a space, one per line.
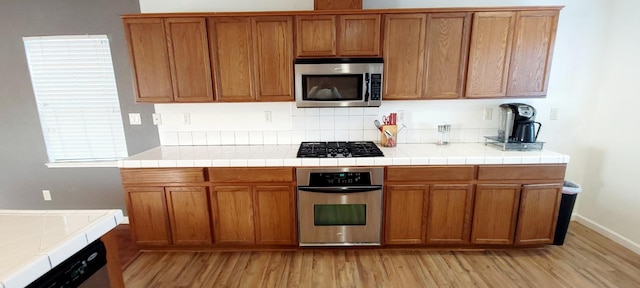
615, 237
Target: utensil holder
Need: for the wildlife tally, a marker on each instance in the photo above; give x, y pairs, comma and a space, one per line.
388, 136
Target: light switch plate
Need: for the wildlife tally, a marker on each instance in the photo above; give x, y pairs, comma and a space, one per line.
157, 119
134, 119
553, 114
488, 113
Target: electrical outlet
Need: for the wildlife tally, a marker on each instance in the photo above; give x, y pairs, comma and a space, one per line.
157, 119
134, 119
553, 114
267, 116
400, 116
488, 113
187, 118
47, 195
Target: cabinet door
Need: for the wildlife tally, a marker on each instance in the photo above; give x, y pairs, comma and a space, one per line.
534, 37
232, 212
189, 215
403, 56
404, 220
337, 4
489, 54
148, 215
149, 59
359, 35
230, 41
449, 214
538, 214
275, 215
316, 36
447, 41
273, 56
494, 214
189, 59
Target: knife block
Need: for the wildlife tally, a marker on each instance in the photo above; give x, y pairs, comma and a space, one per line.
388, 136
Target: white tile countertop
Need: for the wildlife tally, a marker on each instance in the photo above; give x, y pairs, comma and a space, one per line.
285, 155
32, 242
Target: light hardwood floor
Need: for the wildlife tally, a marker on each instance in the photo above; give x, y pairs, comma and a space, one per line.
587, 259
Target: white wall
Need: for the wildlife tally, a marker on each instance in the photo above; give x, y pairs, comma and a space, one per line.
611, 199
593, 83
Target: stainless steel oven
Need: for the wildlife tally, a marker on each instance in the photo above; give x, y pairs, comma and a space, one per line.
340, 206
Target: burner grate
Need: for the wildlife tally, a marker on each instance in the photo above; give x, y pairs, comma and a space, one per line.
338, 149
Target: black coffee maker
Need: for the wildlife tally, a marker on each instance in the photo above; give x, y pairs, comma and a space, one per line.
517, 123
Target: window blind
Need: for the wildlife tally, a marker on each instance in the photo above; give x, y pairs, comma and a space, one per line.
77, 98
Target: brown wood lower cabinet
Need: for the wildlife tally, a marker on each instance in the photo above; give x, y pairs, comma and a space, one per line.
275, 215
539, 207
148, 217
189, 215
253, 206
169, 215
462, 205
495, 212
232, 211
431, 214
404, 222
449, 214
254, 215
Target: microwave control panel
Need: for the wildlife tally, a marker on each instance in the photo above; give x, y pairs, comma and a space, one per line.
376, 86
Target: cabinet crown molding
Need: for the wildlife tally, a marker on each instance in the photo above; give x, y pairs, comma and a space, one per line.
350, 12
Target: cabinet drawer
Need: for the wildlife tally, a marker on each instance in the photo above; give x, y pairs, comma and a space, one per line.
245, 175
157, 176
430, 173
522, 172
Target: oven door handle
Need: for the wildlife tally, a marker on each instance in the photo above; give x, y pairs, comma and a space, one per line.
354, 189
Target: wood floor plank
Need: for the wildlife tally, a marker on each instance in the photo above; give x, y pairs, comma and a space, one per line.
587, 259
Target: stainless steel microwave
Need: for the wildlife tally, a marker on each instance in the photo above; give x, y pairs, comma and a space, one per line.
338, 82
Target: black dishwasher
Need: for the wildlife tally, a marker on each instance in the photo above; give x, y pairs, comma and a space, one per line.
86, 268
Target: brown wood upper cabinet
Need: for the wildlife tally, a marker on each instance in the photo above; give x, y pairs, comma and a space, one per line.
170, 59
231, 45
447, 41
534, 39
403, 56
510, 53
273, 57
336, 4
425, 55
252, 58
338, 35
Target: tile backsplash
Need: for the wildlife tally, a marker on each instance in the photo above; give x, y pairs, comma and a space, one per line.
284, 123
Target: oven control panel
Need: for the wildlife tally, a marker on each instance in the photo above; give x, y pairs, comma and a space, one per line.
331, 179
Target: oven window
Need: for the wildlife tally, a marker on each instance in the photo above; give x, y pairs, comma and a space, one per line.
339, 214
332, 87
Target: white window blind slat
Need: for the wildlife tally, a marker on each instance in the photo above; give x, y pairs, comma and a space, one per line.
77, 98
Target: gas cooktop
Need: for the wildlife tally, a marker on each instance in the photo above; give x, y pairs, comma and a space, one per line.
338, 149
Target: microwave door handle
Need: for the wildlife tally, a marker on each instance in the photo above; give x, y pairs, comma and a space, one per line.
367, 85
